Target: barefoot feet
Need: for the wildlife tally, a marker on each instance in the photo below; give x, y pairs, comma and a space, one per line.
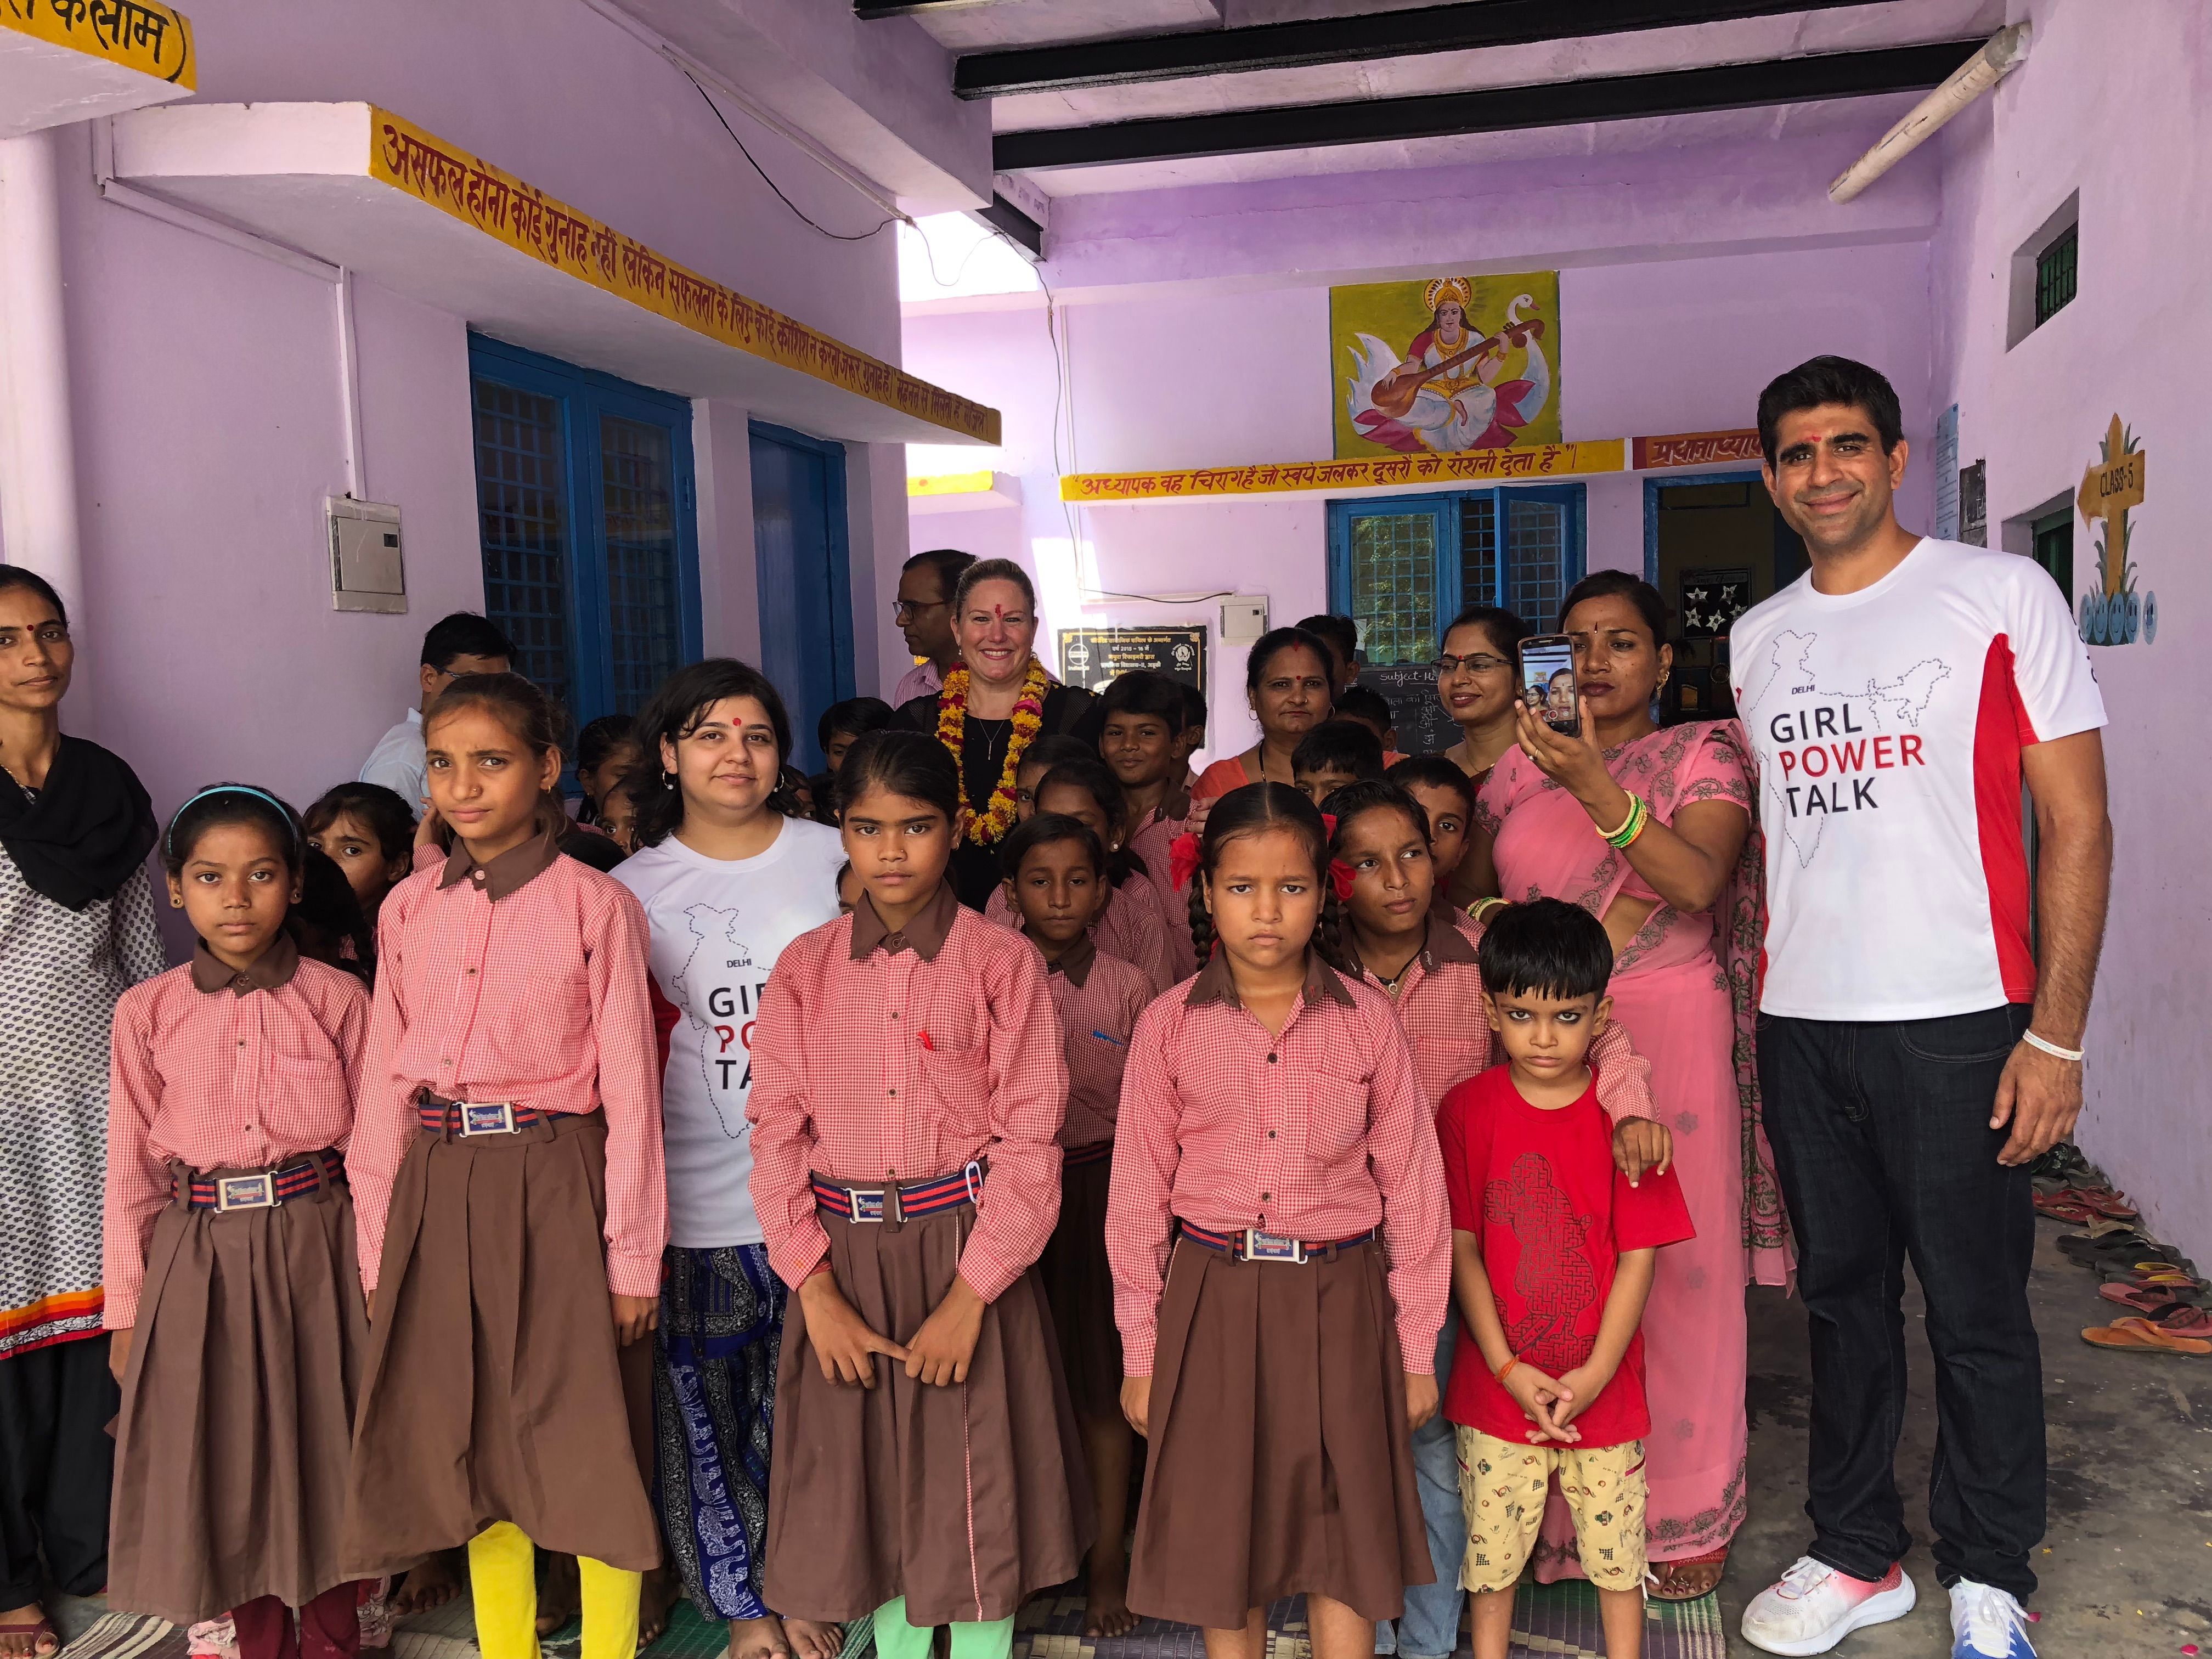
810, 1639
758, 1638
655, 1597
1109, 1613
434, 1583
561, 1597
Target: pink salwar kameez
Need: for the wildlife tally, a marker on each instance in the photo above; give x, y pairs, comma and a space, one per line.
1684, 991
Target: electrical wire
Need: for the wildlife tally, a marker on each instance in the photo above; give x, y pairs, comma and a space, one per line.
835, 236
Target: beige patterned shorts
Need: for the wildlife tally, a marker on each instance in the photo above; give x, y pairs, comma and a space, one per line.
1501, 1486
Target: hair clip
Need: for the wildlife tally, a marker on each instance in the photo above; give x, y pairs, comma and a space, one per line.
1341, 876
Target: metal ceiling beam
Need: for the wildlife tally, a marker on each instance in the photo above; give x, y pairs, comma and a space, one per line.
1001, 214
867, 10
1501, 109
1331, 41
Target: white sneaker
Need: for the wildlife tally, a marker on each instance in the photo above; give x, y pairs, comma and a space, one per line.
1986, 1623
1813, 1607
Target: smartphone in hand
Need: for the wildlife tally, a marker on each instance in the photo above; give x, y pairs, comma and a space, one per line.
1547, 682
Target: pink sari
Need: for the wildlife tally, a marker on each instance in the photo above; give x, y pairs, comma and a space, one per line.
1685, 989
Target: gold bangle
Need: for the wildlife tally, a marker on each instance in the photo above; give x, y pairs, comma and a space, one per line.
1481, 908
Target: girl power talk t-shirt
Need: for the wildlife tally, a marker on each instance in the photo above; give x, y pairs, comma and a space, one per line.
718, 927
1888, 724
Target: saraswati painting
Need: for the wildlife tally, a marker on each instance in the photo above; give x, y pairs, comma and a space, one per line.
1477, 370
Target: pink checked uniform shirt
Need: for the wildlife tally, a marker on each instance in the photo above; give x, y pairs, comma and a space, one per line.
1098, 998
1321, 1133
1153, 841
1133, 927
222, 1070
522, 980
1439, 1003
883, 1057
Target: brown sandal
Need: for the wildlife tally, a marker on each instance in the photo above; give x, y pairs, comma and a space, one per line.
1688, 1579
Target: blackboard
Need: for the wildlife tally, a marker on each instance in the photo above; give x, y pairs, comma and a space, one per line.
1423, 727
1093, 657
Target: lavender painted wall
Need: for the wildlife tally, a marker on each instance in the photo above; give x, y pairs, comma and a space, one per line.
1176, 373
2115, 102
207, 381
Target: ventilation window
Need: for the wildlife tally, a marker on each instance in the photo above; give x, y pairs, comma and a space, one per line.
2054, 274
2045, 272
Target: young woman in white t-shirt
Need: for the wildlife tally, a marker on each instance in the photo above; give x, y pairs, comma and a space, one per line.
727, 880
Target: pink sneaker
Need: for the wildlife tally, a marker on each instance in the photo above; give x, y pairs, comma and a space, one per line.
1813, 1607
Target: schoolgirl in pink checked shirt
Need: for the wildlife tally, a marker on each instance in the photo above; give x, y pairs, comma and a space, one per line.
508, 1166
908, 1094
1281, 1257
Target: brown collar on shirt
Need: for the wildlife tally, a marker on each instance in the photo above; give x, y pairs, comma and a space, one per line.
510, 872
1445, 943
926, 933
1215, 983
273, 967
1075, 962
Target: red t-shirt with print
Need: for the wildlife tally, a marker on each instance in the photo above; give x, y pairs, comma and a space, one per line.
1538, 1189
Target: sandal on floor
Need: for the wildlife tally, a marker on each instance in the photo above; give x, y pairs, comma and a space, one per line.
2063, 1206
2153, 1299
2141, 1336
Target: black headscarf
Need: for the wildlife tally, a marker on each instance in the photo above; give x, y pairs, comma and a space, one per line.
79, 838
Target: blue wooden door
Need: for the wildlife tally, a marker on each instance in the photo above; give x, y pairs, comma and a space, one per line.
805, 578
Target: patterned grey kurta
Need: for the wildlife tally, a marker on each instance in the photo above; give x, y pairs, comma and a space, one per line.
61, 971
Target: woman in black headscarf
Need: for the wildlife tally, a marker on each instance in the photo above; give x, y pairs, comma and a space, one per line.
77, 929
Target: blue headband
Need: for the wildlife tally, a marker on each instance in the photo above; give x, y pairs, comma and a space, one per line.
169, 839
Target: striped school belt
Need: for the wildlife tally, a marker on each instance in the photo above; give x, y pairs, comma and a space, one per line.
474, 1117
1096, 1153
905, 1201
1253, 1245
265, 1190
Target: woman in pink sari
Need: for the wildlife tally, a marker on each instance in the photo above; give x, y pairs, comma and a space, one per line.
1559, 818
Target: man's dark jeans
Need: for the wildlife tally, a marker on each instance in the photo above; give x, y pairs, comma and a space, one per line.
1882, 1137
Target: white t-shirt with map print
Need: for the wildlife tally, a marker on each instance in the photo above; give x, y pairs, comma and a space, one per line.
1888, 724
718, 927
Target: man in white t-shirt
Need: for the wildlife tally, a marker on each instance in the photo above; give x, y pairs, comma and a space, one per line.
1918, 1043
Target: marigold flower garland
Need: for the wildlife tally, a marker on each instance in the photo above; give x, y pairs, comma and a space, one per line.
987, 826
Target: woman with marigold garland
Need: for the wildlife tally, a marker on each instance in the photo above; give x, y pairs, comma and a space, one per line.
991, 708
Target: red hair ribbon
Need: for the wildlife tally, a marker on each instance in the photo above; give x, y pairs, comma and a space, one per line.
1341, 876
1183, 860
1328, 824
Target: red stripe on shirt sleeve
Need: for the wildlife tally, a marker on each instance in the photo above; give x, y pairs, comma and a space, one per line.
2002, 730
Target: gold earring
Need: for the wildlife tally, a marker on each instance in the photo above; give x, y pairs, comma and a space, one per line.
176, 903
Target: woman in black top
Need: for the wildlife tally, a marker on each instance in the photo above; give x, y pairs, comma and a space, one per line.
991, 708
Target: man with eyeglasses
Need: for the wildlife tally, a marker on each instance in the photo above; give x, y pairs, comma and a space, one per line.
923, 611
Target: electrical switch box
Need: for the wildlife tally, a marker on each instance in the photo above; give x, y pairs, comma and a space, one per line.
1243, 619
367, 570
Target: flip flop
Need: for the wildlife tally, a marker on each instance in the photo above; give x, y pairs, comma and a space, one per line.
2063, 1207
2141, 1336
38, 1630
2105, 1203
2119, 1246
2153, 1301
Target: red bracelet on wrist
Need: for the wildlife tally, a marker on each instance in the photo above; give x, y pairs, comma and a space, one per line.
1505, 1370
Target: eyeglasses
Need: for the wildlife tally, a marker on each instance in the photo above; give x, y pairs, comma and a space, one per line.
905, 611
1481, 663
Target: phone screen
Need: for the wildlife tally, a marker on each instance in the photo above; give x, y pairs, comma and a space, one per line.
1547, 680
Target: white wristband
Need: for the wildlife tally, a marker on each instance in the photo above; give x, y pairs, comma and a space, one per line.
2052, 1048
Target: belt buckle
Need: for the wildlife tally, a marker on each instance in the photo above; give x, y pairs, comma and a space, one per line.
866, 1207
1272, 1246
490, 1117
254, 1192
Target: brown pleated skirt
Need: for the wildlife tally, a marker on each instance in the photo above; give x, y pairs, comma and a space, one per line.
1079, 1285
230, 1462
493, 1391
964, 1499
1279, 1460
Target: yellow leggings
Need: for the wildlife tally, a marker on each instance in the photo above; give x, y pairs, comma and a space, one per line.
503, 1580
896, 1639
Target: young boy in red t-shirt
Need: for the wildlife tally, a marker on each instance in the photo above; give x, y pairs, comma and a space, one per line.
1553, 1252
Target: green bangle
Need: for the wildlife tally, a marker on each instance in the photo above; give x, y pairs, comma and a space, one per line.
1631, 827
1481, 908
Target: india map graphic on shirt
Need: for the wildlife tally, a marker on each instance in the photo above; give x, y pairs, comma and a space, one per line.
1834, 742
724, 1032
1552, 1280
